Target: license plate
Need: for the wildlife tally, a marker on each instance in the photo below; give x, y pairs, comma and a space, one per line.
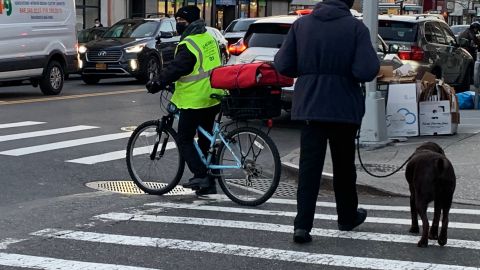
101, 66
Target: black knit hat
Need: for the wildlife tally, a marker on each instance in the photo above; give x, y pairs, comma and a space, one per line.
189, 13
348, 2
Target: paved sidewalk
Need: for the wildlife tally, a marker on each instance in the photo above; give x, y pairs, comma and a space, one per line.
463, 150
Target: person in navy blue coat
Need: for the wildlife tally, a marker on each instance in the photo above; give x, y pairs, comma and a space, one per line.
330, 53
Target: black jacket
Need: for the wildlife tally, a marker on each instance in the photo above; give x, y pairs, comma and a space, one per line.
184, 60
330, 53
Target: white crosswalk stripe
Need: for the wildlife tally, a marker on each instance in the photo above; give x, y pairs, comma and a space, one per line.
20, 124
87, 160
34, 262
64, 144
398, 221
43, 133
393, 238
154, 213
247, 251
115, 155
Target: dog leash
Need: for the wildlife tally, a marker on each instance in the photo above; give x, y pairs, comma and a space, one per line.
370, 173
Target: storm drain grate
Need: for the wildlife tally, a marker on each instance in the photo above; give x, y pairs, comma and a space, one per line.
129, 187
380, 168
283, 189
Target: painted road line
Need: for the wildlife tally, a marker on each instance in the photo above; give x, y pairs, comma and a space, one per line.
378, 220
247, 251
23, 101
35, 262
64, 144
116, 155
41, 133
9, 241
20, 124
459, 211
280, 228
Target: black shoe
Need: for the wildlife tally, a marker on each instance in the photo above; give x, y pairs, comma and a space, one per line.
361, 216
301, 236
197, 183
207, 191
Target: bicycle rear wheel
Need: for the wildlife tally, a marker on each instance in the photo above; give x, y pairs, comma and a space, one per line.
257, 180
153, 159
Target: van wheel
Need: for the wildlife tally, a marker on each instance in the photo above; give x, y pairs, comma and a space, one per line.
89, 79
52, 81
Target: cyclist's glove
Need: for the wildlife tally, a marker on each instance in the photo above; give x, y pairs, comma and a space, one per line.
154, 86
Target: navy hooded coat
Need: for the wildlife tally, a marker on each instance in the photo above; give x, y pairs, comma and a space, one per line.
330, 53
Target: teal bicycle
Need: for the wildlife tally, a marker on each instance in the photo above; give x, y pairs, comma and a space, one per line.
245, 159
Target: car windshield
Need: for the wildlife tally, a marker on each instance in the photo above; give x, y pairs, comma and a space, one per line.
84, 36
457, 29
132, 29
270, 35
239, 26
397, 31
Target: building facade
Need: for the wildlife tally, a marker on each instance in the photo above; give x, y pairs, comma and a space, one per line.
217, 13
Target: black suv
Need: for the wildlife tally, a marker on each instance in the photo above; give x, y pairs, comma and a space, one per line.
428, 44
132, 47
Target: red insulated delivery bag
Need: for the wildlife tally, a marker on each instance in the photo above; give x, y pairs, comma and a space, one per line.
252, 75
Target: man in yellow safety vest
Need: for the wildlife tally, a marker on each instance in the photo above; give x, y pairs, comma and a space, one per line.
196, 55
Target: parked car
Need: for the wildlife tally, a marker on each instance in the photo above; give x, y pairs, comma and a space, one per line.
222, 43
39, 47
428, 44
265, 37
237, 29
458, 29
86, 35
132, 47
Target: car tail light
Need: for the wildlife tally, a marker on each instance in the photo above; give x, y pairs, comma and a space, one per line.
237, 48
415, 53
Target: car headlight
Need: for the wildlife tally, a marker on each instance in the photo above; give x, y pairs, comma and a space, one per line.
135, 49
82, 49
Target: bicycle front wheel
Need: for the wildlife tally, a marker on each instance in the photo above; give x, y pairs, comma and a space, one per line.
153, 159
258, 178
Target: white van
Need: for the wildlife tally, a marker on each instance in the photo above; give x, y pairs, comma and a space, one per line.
38, 42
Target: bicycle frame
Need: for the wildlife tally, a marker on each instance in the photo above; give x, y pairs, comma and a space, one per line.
212, 137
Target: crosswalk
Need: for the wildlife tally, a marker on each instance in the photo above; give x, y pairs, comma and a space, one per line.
9, 134
245, 238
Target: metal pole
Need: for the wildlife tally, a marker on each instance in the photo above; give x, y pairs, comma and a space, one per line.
374, 128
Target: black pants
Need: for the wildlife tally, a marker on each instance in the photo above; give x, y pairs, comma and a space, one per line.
313, 146
189, 120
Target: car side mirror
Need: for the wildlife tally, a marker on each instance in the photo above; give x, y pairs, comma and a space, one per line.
463, 42
164, 35
393, 48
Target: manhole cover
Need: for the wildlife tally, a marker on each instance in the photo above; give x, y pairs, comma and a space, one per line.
128, 187
381, 168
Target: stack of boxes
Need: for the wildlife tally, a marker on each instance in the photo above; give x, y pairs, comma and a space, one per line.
418, 107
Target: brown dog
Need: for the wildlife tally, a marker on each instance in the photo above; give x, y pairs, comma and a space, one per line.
430, 177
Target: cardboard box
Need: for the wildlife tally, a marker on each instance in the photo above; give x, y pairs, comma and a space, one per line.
402, 110
386, 75
437, 118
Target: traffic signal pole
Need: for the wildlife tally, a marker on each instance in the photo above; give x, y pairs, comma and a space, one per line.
374, 129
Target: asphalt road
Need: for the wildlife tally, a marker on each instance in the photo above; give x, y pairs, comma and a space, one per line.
50, 219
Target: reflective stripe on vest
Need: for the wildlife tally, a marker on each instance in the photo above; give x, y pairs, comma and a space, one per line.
201, 73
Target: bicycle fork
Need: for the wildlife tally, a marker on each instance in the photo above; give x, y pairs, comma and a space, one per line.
159, 130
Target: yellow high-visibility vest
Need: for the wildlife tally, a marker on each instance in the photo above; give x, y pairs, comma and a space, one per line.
193, 90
